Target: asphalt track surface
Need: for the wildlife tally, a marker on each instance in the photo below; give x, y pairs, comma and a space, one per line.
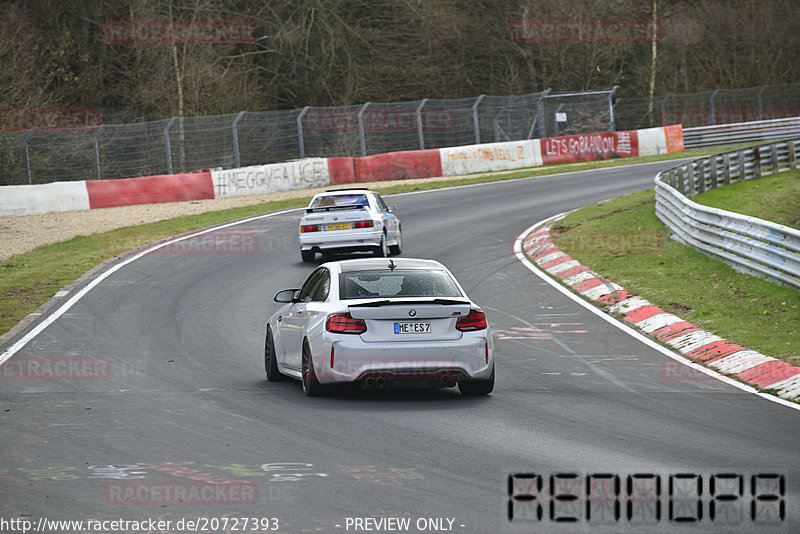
183, 400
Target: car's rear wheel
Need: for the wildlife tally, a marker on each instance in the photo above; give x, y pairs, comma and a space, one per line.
270, 363
308, 255
477, 387
397, 248
311, 386
382, 251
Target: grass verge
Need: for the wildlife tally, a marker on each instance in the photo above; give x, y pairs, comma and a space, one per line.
624, 241
30, 279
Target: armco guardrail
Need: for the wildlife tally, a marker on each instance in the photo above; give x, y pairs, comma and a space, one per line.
741, 133
749, 244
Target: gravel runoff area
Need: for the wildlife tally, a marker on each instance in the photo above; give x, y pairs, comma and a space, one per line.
21, 233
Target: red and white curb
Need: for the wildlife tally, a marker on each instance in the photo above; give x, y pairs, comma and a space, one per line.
694, 343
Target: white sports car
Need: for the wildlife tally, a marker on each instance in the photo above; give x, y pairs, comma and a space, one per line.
380, 323
349, 220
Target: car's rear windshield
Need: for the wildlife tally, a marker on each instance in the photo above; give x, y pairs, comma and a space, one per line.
388, 284
339, 201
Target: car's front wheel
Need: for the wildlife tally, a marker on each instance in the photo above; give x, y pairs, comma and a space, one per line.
477, 387
270, 363
311, 386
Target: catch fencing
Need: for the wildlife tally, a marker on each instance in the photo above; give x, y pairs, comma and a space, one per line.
749, 244
185, 144
708, 108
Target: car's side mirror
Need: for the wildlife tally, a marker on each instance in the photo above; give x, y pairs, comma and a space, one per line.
286, 296
391, 209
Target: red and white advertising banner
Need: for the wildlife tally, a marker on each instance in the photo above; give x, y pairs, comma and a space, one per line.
490, 157
590, 147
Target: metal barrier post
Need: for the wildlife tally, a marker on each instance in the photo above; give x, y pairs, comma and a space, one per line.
539, 113
711, 105
713, 162
27, 154
496, 125
773, 151
167, 144
236, 159
301, 142
742, 169
701, 176
97, 151
611, 124
759, 100
475, 122
726, 168
361, 129
419, 124
757, 161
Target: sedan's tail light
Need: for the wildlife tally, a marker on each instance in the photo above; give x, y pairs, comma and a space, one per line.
362, 224
309, 228
476, 320
343, 323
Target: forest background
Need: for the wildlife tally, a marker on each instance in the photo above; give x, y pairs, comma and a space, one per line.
70, 53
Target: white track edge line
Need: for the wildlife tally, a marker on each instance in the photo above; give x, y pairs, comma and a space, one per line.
628, 330
50, 319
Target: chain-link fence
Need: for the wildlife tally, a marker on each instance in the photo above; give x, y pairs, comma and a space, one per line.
183, 144
721, 106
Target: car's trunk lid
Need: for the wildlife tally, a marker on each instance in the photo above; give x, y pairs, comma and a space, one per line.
410, 320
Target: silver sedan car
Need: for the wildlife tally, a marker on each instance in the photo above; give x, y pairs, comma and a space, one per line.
349, 220
380, 323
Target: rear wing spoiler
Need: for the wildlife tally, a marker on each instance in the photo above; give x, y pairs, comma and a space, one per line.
386, 302
324, 209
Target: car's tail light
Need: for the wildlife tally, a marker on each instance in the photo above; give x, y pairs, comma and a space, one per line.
309, 228
476, 320
343, 323
362, 224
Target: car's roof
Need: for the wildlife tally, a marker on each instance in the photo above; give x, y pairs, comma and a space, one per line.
378, 264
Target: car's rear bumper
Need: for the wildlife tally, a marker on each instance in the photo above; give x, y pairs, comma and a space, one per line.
446, 362
343, 239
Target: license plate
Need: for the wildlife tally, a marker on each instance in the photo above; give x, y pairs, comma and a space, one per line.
345, 226
412, 328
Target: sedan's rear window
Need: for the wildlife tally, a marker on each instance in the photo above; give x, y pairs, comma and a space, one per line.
379, 284
339, 201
